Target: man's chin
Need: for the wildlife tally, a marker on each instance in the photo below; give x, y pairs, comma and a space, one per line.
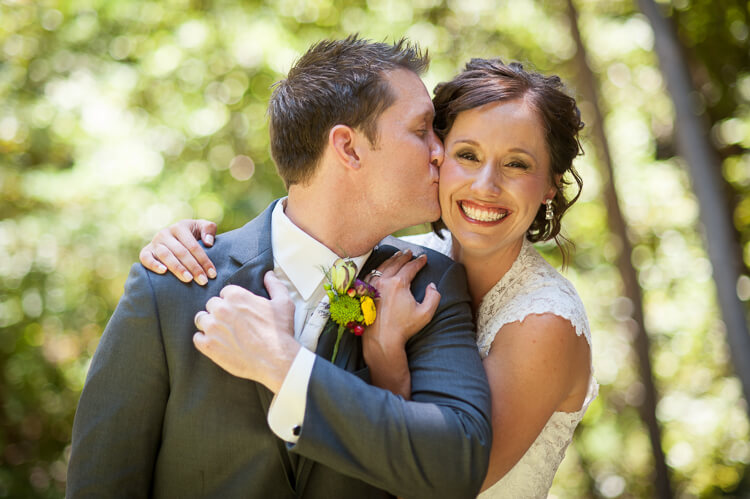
428, 218
425, 217
436, 214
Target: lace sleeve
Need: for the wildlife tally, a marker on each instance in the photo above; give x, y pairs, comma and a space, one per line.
531, 286
546, 301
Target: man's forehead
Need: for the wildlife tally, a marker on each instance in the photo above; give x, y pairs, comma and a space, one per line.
406, 80
410, 92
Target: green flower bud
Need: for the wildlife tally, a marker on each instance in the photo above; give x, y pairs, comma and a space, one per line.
343, 273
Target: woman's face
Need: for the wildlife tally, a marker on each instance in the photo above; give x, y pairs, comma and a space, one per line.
495, 176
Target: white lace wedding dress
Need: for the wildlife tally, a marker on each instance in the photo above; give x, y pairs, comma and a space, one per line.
531, 286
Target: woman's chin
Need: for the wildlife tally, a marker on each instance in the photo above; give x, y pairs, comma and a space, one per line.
483, 243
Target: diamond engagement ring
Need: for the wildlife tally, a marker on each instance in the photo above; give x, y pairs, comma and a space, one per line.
376, 273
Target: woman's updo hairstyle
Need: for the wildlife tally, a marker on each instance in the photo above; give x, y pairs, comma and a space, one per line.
484, 81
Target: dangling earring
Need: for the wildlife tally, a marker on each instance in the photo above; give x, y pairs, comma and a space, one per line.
549, 214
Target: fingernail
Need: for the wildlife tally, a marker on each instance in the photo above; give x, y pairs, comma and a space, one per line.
187, 276
209, 239
212, 272
423, 255
161, 268
201, 279
397, 253
432, 285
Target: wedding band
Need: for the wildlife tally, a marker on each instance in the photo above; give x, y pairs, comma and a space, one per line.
376, 273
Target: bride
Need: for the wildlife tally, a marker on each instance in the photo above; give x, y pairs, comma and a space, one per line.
510, 136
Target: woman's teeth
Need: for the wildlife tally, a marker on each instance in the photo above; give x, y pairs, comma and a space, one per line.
483, 214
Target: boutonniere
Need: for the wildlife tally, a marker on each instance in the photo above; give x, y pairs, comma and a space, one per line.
352, 304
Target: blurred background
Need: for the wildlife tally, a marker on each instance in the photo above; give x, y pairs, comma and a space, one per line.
119, 117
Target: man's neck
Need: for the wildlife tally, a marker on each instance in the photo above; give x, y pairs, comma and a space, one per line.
345, 231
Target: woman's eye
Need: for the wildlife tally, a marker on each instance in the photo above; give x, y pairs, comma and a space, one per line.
517, 164
468, 156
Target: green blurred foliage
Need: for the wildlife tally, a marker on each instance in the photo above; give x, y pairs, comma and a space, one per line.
119, 117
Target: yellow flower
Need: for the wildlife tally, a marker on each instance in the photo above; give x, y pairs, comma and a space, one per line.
368, 309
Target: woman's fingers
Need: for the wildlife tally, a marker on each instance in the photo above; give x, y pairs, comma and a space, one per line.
196, 259
147, 259
426, 309
187, 265
400, 316
176, 249
402, 266
410, 268
207, 232
166, 256
393, 264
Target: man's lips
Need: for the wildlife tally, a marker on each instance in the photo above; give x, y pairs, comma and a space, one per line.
482, 213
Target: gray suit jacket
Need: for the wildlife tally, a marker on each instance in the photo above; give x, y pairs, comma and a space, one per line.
157, 418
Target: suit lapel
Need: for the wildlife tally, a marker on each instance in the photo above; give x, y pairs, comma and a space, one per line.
254, 257
349, 356
252, 253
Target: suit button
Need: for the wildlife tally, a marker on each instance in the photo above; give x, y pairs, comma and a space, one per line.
296, 430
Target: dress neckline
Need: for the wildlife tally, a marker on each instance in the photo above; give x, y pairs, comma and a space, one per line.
513, 273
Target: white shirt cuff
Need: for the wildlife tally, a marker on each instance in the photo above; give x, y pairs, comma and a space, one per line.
287, 411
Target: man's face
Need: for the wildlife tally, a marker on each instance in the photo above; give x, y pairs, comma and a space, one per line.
403, 163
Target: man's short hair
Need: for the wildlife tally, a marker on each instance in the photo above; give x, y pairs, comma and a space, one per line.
334, 82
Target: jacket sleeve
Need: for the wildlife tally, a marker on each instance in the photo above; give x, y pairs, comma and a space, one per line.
437, 444
117, 427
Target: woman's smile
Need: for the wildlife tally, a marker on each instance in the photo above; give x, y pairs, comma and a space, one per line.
480, 213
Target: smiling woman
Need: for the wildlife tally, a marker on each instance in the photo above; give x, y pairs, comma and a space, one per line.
495, 177
510, 137
550, 118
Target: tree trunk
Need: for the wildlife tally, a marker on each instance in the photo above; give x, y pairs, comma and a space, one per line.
631, 289
695, 147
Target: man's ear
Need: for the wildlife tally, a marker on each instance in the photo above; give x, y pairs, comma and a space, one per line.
344, 142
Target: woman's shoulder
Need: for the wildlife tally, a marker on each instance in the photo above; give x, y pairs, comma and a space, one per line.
536, 289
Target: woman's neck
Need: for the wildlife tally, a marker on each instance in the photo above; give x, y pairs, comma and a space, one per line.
484, 270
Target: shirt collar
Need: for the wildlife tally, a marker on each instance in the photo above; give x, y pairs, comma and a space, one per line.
302, 258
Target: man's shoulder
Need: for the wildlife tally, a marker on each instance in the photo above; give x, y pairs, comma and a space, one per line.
434, 258
439, 269
230, 250
245, 241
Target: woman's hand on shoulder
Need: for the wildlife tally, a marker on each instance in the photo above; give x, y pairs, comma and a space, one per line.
175, 248
399, 317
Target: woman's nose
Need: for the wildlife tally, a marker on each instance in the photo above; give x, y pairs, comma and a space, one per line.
486, 180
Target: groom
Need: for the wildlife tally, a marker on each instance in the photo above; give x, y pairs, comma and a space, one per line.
351, 133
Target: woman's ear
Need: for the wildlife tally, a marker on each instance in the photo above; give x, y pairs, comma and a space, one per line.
343, 141
550, 194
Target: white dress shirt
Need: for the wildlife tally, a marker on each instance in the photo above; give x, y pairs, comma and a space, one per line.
299, 261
